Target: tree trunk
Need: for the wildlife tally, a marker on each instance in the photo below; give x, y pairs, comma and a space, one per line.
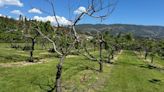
112, 54
43, 45
146, 54
31, 51
152, 59
94, 47
100, 66
140, 52
108, 57
100, 55
58, 75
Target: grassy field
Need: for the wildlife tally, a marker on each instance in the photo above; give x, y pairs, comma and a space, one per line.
159, 61
79, 74
8, 54
128, 74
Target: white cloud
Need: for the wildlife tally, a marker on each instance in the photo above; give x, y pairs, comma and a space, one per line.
1, 15
17, 12
9, 17
17, 18
61, 20
80, 10
35, 10
11, 2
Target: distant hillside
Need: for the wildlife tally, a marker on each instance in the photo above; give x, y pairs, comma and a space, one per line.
10, 28
136, 30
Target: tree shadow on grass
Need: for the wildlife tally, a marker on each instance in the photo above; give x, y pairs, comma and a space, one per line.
47, 86
91, 68
128, 64
148, 66
155, 81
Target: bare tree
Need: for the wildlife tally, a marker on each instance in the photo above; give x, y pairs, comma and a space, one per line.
101, 44
28, 33
63, 47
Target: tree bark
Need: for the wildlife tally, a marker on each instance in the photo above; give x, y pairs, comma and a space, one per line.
100, 55
112, 54
152, 59
146, 54
58, 75
31, 51
100, 66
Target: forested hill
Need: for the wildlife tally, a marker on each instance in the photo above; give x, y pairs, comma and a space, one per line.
136, 30
10, 28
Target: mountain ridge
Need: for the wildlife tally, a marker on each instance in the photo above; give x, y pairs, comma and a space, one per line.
152, 31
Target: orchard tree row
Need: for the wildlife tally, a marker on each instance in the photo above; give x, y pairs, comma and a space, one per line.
100, 47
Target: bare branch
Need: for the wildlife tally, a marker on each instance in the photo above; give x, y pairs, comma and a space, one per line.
54, 45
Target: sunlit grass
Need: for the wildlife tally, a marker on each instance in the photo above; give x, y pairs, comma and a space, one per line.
79, 74
132, 75
128, 74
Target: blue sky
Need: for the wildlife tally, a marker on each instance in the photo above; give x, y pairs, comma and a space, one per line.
141, 12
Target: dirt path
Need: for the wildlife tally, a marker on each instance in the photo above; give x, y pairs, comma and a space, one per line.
24, 63
99, 84
21, 64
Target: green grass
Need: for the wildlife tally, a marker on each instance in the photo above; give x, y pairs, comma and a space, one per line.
129, 74
8, 55
35, 78
132, 75
79, 74
18, 79
159, 60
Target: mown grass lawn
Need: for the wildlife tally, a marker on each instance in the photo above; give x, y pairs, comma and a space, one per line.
159, 60
9, 55
79, 74
130, 74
